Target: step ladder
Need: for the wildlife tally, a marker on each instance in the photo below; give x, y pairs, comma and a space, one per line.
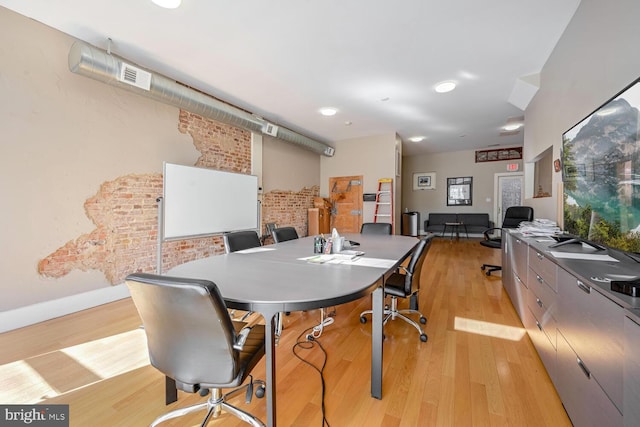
384, 202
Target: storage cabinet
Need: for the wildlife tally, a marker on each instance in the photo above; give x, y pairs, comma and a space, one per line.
594, 327
542, 306
516, 273
631, 373
590, 349
583, 398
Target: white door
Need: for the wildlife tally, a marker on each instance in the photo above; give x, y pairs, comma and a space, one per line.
508, 191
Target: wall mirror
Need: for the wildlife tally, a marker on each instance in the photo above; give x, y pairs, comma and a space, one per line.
459, 191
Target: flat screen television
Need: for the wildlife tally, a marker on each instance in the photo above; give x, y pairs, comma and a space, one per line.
601, 174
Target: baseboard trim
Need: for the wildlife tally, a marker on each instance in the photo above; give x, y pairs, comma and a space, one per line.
36, 313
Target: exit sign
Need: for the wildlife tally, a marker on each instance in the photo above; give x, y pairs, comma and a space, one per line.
512, 167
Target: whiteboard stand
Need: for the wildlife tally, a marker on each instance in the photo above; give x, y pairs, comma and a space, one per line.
160, 235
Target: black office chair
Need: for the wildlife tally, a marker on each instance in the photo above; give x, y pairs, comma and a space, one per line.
376, 228
192, 339
240, 240
284, 234
406, 285
513, 216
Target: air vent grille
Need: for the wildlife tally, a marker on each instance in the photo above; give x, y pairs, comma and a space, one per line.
135, 76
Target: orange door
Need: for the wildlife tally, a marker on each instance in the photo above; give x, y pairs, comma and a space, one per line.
346, 196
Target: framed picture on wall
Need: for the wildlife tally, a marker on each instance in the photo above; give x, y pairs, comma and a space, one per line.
459, 191
424, 181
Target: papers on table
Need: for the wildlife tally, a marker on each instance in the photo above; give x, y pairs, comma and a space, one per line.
349, 260
587, 257
538, 227
252, 250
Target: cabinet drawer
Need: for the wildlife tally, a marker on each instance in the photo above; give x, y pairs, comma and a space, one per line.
520, 250
547, 297
543, 267
540, 337
583, 398
518, 295
594, 327
543, 315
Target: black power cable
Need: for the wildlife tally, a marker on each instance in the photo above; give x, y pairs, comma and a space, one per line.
306, 341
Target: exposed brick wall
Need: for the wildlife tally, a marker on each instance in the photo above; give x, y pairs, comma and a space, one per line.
289, 208
222, 147
126, 215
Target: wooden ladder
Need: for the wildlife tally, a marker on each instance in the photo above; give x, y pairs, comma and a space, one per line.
384, 202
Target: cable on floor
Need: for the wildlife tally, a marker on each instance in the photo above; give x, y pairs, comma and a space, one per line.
306, 341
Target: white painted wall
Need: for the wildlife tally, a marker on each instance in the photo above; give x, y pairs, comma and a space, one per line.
450, 165
595, 58
373, 157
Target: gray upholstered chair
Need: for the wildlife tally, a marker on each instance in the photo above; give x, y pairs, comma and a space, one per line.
240, 240
406, 284
376, 228
284, 234
192, 339
513, 216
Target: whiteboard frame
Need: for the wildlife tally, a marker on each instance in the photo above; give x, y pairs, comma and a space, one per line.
199, 202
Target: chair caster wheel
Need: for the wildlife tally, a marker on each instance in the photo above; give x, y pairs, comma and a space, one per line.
423, 320
488, 273
423, 337
363, 319
482, 267
203, 392
260, 392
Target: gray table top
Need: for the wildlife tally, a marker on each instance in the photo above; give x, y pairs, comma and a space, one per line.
275, 279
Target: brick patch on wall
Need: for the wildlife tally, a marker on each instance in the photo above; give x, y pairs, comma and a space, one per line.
289, 208
125, 212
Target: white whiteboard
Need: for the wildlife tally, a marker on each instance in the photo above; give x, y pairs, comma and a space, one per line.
199, 201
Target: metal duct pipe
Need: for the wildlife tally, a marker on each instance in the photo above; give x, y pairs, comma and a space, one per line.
97, 64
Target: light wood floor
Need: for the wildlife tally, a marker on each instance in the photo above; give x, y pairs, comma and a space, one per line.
477, 369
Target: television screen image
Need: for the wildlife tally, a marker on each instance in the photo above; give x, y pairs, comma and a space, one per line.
601, 174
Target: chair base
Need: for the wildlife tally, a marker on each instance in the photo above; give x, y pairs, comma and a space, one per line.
392, 313
214, 405
489, 268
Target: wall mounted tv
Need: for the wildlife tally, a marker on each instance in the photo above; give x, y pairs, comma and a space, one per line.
601, 174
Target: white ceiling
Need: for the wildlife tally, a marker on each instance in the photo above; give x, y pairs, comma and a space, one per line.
285, 59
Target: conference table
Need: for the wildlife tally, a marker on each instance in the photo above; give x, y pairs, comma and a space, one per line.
277, 278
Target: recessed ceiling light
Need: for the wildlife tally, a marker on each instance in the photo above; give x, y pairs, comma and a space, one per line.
386, 98
512, 127
168, 4
348, 123
417, 138
328, 111
446, 86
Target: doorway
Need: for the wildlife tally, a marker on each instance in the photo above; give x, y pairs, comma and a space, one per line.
508, 191
346, 197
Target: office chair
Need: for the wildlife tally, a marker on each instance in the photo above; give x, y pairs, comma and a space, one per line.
513, 216
406, 285
192, 339
240, 240
284, 234
376, 228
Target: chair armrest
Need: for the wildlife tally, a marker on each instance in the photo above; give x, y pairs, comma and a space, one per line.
490, 231
241, 338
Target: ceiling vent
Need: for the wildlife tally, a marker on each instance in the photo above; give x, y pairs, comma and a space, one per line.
270, 129
100, 65
135, 76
